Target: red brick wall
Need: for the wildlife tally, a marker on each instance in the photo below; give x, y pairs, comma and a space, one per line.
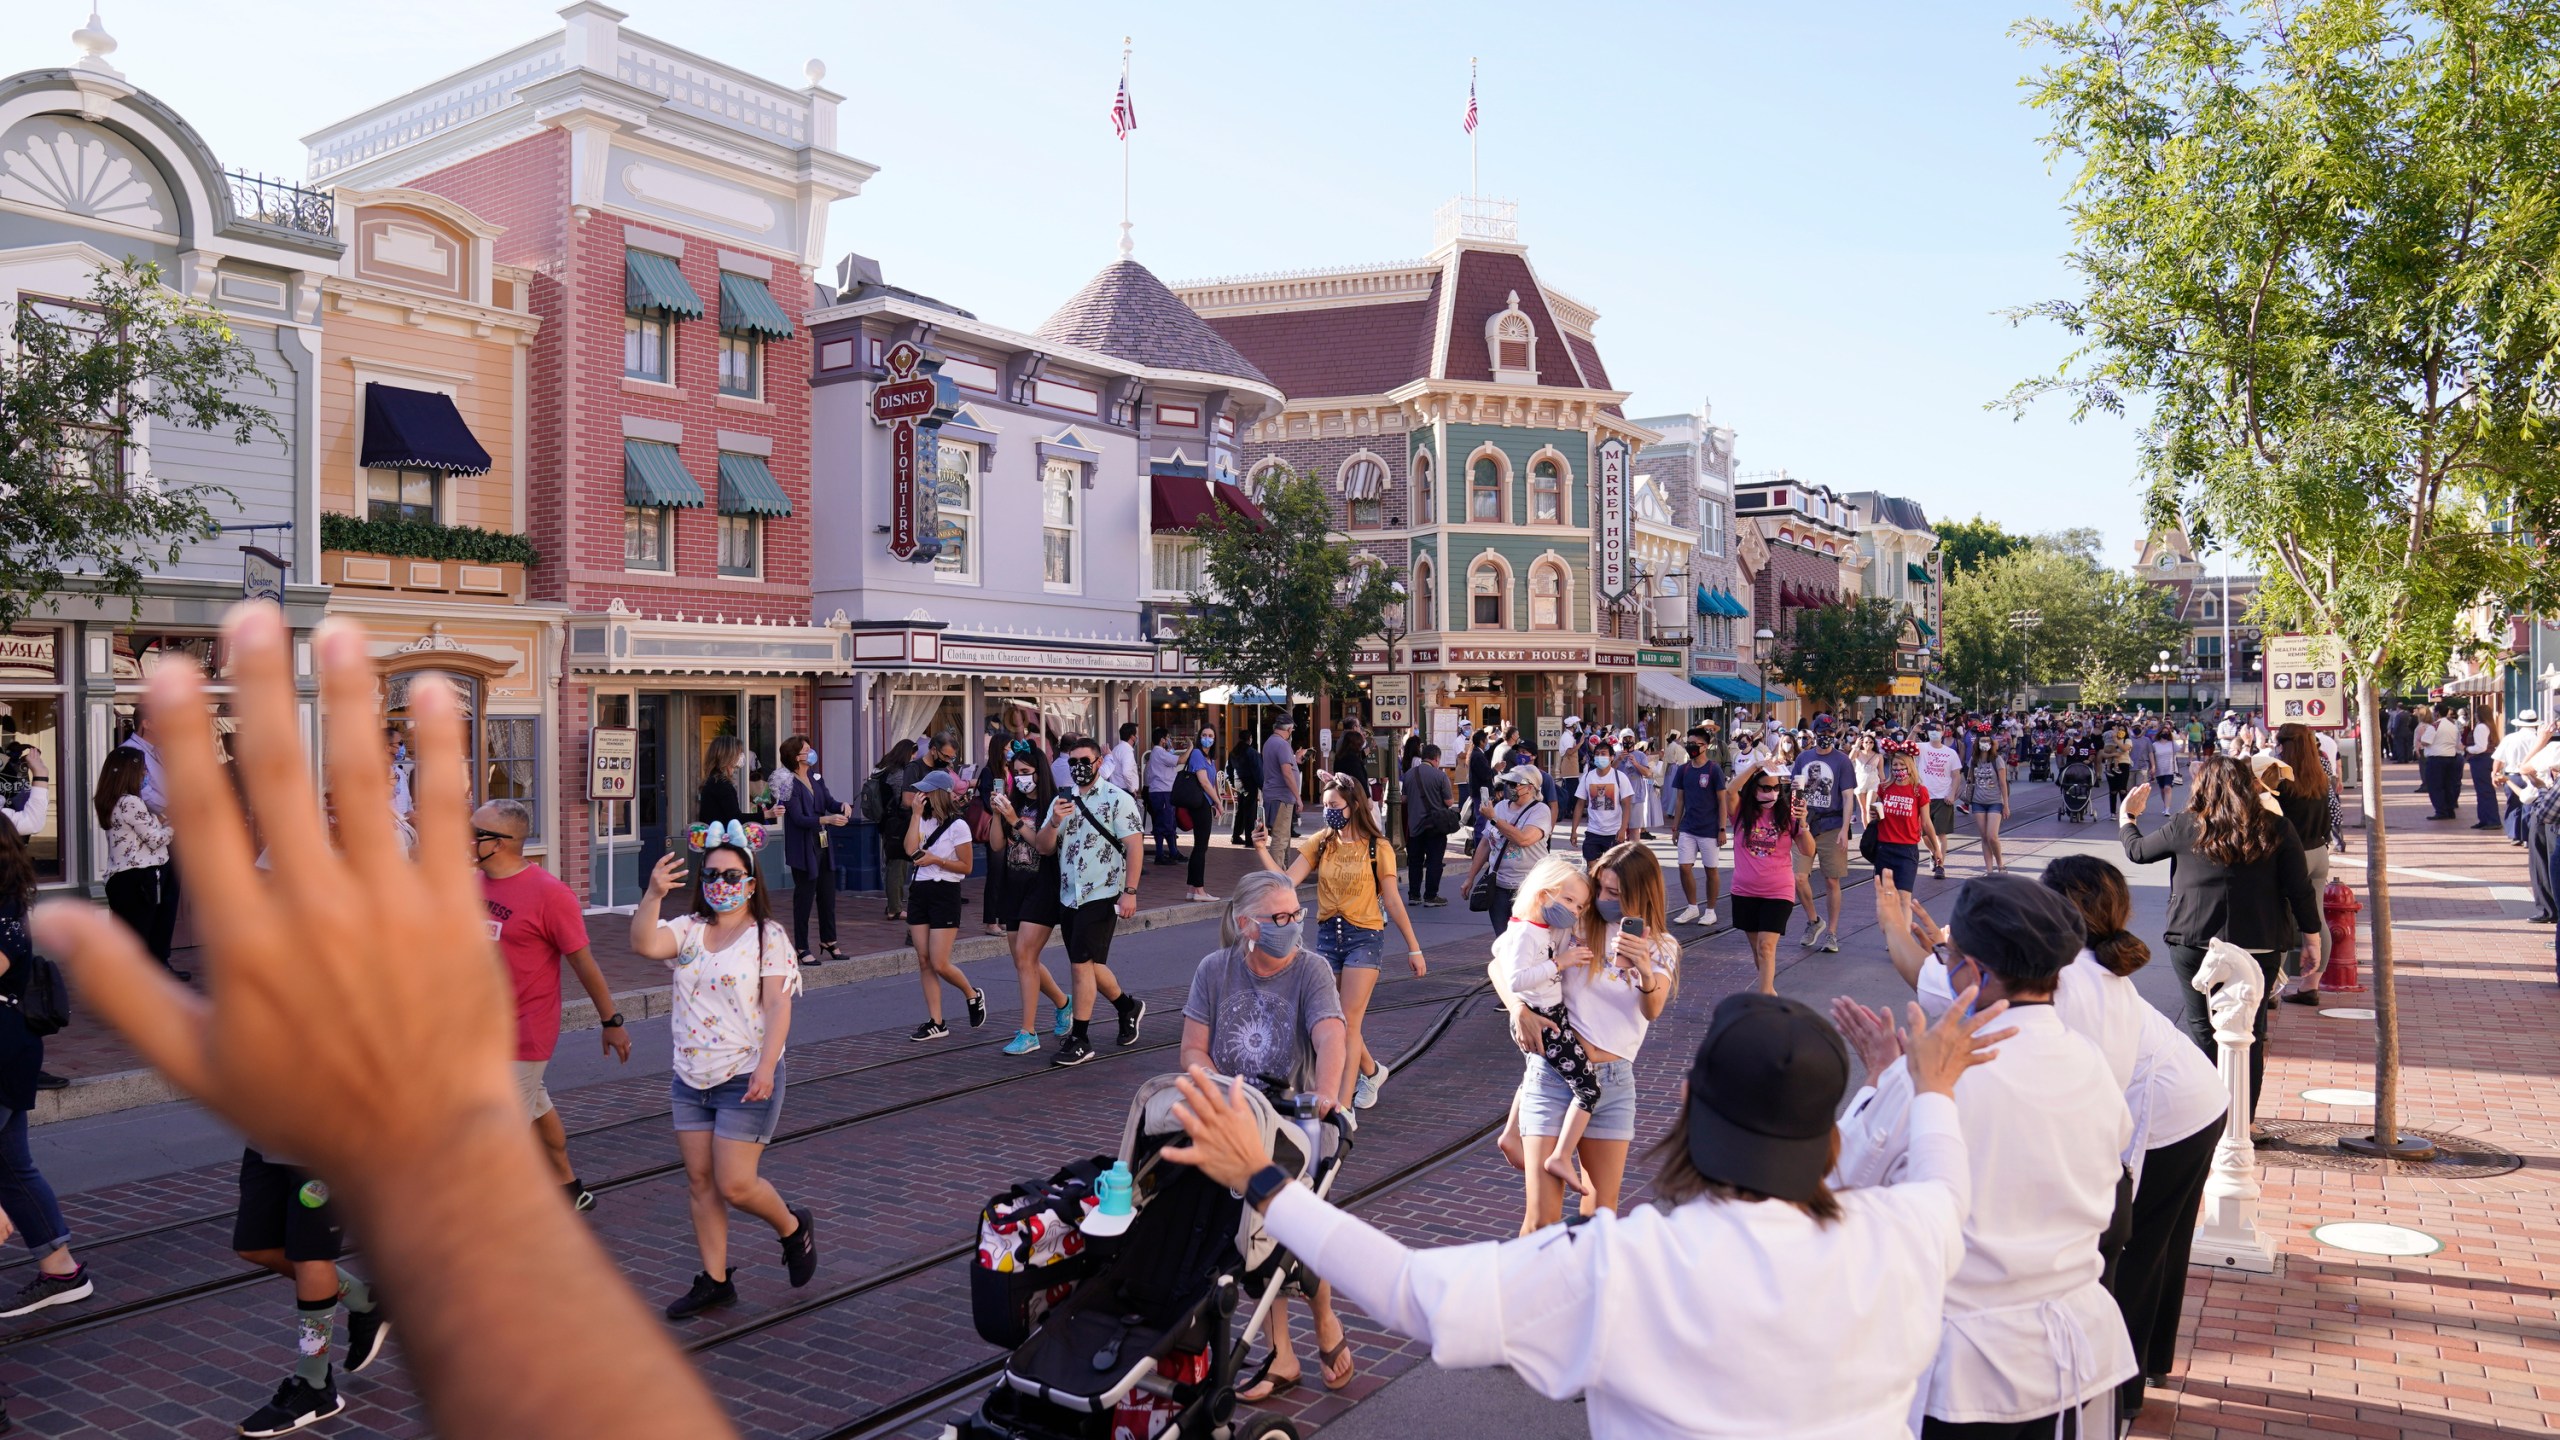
1790, 565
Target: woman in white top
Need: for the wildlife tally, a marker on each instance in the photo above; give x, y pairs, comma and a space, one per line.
938, 838
1869, 764
735, 974
1752, 1302
137, 846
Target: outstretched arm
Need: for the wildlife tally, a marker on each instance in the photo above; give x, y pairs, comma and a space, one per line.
375, 1048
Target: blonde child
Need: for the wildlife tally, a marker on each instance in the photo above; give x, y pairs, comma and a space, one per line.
1552, 928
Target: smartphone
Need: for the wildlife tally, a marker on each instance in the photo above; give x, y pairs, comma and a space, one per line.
1632, 925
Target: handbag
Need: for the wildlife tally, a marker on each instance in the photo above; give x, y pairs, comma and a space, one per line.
1870, 848
1480, 894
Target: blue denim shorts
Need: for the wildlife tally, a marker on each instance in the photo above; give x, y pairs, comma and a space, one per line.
723, 1109
1544, 1098
1346, 946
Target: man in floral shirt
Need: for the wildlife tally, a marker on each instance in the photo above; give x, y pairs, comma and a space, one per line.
1096, 830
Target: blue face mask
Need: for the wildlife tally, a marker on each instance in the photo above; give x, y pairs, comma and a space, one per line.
1558, 915
1278, 940
1609, 909
1336, 817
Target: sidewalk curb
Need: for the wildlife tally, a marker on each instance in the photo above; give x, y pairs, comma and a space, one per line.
133, 1089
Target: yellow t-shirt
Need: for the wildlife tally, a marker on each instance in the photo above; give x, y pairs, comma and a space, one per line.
1346, 884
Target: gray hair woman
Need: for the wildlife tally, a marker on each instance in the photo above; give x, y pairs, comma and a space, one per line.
1263, 1008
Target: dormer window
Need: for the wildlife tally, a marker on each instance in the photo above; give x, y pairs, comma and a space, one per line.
1513, 343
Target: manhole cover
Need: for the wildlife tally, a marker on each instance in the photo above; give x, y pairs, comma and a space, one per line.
2367, 1238
2313, 1145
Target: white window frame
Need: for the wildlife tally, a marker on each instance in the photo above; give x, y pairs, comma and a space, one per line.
1424, 612
1426, 495
1502, 573
754, 525
966, 574
665, 521
1052, 470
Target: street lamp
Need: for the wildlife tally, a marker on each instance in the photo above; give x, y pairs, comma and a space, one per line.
1760, 662
2161, 670
2026, 623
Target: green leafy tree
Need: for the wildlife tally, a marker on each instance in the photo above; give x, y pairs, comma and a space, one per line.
2314, 241
79, 391
2094, 623
1835, 653
1283, 605
1968, 545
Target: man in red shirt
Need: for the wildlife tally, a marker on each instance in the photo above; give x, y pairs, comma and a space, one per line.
536, 922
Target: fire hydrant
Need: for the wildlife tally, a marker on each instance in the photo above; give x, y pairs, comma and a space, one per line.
2338, 905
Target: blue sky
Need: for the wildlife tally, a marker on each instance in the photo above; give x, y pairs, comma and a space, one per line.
1809, 215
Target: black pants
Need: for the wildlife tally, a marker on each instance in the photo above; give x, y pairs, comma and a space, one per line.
2484, 795
2040, 1428
1499, 912
2538, 837
133, 896
2197, 1020
2151, 1276
1200, 820
813, 887
1425, 855
1248, 810
164, 919
2442, 776
2119, 780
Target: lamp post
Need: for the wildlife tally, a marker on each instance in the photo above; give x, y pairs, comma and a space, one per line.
1392, 629
1920, 660
2161, 670
2026, 623
1760, 662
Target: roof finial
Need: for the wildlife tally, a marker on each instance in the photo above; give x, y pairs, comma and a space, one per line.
95, 46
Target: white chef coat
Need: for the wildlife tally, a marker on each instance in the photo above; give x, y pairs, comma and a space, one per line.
2030, 1330
1714, 1318
2176, 1091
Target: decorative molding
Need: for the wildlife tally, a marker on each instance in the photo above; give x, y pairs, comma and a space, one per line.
738, 262
85, 170
641, 427
1290, 290
697, 195
656, 242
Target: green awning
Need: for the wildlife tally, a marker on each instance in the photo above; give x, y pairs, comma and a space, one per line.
652, 282
653, 475
747, 487
745, 305
1918, 572
1927, 632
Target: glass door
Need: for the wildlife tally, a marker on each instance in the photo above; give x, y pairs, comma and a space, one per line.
651, 811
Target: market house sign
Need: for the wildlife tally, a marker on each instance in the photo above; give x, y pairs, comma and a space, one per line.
1610, 493
900, 402
1518, 655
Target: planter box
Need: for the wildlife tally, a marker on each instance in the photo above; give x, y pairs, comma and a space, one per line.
498, 584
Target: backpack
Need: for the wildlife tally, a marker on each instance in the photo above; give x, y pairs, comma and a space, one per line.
874, 804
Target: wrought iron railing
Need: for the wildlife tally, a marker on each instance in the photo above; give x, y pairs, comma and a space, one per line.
273, 202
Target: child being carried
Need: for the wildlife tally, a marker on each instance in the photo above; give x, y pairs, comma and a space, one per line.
1548, 917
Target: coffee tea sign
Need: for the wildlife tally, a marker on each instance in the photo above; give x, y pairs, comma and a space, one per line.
899, 402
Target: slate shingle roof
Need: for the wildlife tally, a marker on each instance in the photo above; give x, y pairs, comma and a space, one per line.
1126, 312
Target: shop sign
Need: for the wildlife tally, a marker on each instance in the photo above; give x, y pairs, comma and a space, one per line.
1906, 685
261, 574
1609, 495
1391, 702
899, 402
1550, 732
1614, 659
1515, 655
27, 655
1703, 664
1028, 659
613, 763
1659, 659
2304, 680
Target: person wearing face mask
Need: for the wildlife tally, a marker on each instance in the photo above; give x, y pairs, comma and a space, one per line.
1263, 1009
536, 923
1517, 826
1195, 806
1022, 888
1768, 835
1356, 895
938, 838
810, 817
1096, 831
1551, 930
731, 1016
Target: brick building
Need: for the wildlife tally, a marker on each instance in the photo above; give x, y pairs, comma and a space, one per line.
2215, 610
1813, 560
671, 211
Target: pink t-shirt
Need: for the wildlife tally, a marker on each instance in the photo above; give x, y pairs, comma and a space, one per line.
535, 921
1762, 864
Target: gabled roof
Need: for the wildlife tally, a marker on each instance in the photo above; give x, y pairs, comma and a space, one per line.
1486, 281
1126, 312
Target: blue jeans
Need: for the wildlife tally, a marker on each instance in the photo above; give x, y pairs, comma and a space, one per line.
1160, 806
25, 1196
2483, 793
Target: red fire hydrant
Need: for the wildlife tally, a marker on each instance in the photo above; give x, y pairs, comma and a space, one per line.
2338, 905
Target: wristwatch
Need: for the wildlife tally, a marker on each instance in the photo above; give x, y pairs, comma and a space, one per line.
615, 1022
1266, 1182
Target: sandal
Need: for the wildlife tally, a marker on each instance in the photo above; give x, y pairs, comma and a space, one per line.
1340, 1351
1273, 1387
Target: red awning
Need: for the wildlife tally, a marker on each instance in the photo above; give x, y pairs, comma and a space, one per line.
1180, 501
1235, 499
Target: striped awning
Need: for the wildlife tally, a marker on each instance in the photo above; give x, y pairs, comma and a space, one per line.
653, 475
652, 282
747, 487
747, 307
1365, 480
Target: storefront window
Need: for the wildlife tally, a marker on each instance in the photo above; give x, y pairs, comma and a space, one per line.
31, 737
925, 711
513, 770
763, 738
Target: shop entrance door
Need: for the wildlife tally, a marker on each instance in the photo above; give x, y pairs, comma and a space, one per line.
651, 813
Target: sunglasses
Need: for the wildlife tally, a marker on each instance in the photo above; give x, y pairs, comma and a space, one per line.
479, 835
725, 877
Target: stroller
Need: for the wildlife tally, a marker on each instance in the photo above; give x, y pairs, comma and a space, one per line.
1145, 1344
2079, 777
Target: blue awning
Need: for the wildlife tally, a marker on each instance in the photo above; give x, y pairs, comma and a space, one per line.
746, 305
653, 476
1741, 691
747, 487
652, 282
1707, 602
417, 430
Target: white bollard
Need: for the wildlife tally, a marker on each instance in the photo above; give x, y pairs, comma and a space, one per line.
2227, 1234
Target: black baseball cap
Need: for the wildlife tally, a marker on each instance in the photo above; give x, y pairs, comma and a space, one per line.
1762, 1093
2017, 929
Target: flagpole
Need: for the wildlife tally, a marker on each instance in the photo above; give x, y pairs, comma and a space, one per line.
1475, 163
1127, 246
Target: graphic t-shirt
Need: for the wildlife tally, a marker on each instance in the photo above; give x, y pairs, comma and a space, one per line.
1091, 866
1604, 801
1701, 791
1762, 866
1263, 1027
1938, 771
535, 920
1898, 812
1823, 782
718, 1017
1346, 881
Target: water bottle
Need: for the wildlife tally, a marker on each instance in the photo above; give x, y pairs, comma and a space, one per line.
1118, 1205
314, 1194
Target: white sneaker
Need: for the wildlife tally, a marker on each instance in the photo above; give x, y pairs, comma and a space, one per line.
1686, 917
1364, 1091
1706, 917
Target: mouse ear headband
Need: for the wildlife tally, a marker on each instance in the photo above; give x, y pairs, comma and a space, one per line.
746, 838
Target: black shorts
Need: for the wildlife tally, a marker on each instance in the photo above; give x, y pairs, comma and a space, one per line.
1087, 930
1760, 915
273, 1217
934, 904
1027, 899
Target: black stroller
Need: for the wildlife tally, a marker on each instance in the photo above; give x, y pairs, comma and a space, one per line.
2039, 759
2079, 777
1147, 1343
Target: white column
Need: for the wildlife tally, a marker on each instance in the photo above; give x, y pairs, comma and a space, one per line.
2227, 1234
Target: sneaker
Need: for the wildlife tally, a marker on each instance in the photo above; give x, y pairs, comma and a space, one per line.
49, 1290
1688, 916
296, 1404
1076, 1051
706, 1292
1066, 1025
800, 1248
1937, 870
1432, 902
1830, 941
1812, 935
1364, 1093
366, 1332
1706, 917
581, 1199
929, 1030
1022, 1043
977, 1008
1132, 1010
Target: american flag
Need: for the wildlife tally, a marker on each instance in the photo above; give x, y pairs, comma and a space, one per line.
1470, 125
1124, 115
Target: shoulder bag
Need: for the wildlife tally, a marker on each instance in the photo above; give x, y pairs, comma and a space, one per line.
1480, 894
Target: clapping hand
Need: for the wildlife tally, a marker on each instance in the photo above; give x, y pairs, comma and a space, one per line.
1941, 1053
2136, 800
1870, 1034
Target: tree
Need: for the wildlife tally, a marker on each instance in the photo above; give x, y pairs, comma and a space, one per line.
1968, 545
2097, 626
1835, 653
78, 394
2314, 242
1282, 605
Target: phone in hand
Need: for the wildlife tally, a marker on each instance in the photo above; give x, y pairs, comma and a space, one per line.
1633, 926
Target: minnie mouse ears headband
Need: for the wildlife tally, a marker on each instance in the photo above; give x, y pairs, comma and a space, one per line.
747, 839
1898, 747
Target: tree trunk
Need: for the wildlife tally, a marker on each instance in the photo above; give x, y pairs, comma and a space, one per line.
2377, 880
